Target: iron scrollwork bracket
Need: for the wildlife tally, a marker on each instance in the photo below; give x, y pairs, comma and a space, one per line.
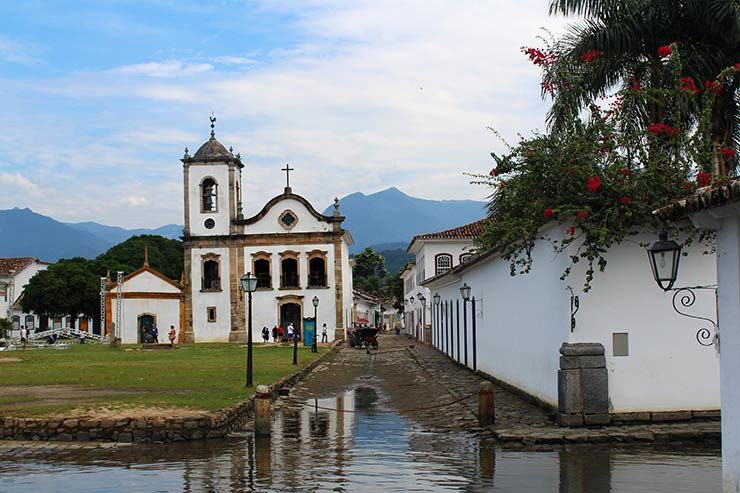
685, 298
575, 305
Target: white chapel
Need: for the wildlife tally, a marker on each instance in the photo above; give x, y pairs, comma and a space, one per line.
297, 254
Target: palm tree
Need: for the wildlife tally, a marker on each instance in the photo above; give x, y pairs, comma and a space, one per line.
628, 33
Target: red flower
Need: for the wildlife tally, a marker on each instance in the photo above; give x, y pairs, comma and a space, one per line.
591, 56
625, 171
493, 172
713, 87
548, 86
547, 213
539, 57
688, 85
635, 85
703, 179
502, 185
593, 183
625, 200
726, 152
662, 129
664, 51
736, 68
571, 231
582, 215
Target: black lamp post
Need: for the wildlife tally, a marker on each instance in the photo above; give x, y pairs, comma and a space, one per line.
664, 256
314, 348
423, 301
465, 293
249, 285
437, 300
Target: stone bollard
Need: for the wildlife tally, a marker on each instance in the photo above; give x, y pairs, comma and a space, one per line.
263, 411
486, 405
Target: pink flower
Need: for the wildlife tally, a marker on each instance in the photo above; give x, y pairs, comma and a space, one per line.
664, 51
593, 183
547, 213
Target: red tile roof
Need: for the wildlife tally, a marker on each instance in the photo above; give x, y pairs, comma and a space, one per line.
467, 231
704, 198
14, 263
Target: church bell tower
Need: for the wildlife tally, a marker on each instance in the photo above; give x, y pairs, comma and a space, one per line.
212, 185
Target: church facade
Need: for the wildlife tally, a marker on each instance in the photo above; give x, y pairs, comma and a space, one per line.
298, 255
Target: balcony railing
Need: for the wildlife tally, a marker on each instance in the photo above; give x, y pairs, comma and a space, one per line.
289, 281
211, 284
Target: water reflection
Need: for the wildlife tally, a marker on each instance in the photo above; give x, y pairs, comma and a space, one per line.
352, 442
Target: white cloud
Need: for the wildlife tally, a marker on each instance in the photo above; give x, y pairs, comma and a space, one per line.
379, 93
135, 201
14, 52
168, 68
17, 180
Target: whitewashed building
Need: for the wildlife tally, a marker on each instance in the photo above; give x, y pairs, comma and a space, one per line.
15, 273
147, 298
512, 327
717, 209
434, 254
297, 254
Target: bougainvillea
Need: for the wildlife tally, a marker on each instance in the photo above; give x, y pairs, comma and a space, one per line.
602, 175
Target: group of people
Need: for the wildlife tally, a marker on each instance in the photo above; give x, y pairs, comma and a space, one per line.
281, 335
150, 334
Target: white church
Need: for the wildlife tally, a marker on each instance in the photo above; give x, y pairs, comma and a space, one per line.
298, 255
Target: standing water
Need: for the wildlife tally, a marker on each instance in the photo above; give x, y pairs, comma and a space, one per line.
353, 442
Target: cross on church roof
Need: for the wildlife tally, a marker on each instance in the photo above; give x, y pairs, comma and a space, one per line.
213, 123
287, 170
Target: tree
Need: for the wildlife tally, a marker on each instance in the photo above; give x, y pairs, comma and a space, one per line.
619, 39
5, 327
369, 273
68, 287
165, 255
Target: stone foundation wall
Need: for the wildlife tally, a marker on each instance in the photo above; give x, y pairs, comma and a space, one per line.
161, 429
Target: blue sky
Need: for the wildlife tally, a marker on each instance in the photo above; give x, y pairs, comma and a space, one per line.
101, 97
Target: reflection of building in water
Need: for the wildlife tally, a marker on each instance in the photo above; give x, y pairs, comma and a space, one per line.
298, 433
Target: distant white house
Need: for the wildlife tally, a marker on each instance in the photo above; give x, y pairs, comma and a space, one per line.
434, 254
513, 327
373, 311
15, 273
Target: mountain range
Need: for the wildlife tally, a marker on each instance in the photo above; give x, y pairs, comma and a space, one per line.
386, 220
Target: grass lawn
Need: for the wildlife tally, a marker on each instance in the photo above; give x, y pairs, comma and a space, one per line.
195, 377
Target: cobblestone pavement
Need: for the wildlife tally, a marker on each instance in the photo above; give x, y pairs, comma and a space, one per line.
425, 386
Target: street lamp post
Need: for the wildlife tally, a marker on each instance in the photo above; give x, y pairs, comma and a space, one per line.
249, 285
437, 299
423, 301
664, 256
465, 293
314, 347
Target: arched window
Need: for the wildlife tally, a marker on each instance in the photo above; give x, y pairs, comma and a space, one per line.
465, 257
317, 272
262, 271
208, 194
16, 322
211, 276
289, 273
442, 263
30, 323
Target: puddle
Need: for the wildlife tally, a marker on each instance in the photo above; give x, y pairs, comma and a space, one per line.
353, 442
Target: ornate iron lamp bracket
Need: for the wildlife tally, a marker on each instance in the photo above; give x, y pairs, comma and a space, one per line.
575, 305
685, 298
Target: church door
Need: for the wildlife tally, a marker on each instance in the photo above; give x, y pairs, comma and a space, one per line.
290, 313
142, 320
83, 324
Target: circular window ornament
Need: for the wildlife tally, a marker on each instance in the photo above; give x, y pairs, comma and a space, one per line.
209, 224
288, 219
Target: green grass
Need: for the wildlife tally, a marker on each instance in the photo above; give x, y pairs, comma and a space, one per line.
197, 376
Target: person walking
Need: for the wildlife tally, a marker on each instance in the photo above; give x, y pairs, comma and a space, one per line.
265, 335
83, 335
274, 334
290, 332
281, 333
155, 334
172, 335
24, 336
324, 337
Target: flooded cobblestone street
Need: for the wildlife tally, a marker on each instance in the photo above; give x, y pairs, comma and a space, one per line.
387, 421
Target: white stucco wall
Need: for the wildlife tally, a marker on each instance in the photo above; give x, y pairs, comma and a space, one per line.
666, 369
220, 173
523, 320
270, 223
165, 311
203, 330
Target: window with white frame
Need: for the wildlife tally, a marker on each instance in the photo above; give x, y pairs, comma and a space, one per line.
442, 263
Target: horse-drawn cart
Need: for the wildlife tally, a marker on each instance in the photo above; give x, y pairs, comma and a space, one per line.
364, 337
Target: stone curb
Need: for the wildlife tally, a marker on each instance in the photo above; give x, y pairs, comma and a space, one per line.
208, 425
608, 435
